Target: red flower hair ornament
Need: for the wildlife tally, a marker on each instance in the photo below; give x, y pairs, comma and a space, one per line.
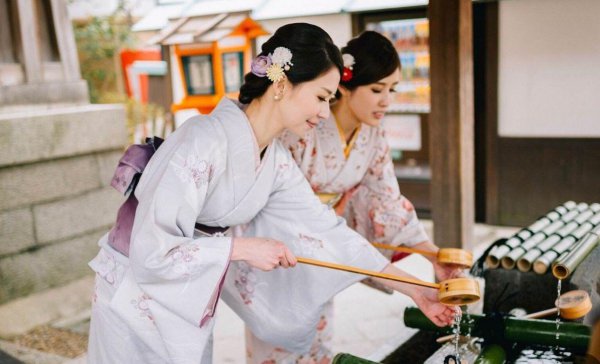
348, 66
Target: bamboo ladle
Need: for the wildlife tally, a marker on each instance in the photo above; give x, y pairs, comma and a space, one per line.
456, 291
572, 305
459, 257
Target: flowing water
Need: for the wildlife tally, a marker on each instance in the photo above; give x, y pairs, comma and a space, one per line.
469, 322
456, 332
558, 288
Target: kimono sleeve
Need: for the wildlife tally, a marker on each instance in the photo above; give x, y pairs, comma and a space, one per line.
181, 273
393, 219
320, 233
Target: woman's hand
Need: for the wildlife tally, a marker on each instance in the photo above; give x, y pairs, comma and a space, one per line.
442, 271
262, 253
447, 271
427, 300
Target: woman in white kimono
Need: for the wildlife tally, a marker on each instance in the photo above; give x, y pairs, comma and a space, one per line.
155, 298
347, 162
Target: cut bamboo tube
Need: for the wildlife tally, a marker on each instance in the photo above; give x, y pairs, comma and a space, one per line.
565, 266
456, 291
510, 259
527, 261
539, 230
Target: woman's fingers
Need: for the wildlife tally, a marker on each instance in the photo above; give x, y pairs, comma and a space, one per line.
291, 258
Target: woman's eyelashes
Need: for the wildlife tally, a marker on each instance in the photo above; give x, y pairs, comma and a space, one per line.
378, 91
328, 99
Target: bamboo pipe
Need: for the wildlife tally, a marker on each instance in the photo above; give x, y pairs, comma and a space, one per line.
565, 266
512, 329
524, 255
573, 305
510, 260
525, 263
344, 358
495, 256
541, 264
456, 291
459, 257
493, 353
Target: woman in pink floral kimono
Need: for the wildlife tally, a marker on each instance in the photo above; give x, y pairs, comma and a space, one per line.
347, 162
158, 284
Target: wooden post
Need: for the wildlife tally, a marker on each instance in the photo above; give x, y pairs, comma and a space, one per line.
30, 42
66, 41
452, 122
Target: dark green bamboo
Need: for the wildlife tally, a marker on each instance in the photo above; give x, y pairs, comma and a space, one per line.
343, 358
542, 332
491, 354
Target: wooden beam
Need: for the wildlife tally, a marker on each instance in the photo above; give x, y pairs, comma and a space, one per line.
452, 122
492, 165
30, 42
65, 41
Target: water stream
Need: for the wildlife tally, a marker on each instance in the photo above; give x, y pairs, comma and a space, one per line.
558, 288
456, 332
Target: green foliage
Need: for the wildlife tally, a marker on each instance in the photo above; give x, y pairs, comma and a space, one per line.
99, 42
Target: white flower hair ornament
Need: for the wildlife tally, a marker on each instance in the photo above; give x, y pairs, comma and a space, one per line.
274, 65
348, 66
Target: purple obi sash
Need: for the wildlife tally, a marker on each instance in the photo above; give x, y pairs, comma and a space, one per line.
128, 173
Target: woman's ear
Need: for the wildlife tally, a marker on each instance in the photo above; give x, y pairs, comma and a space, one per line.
343, 90
280, 87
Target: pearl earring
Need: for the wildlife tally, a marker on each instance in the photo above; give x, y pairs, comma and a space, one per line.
277, 97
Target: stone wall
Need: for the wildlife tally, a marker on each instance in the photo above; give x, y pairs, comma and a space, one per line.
55, 197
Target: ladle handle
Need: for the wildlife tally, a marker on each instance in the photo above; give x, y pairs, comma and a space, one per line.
443, 339
366, 272
544, 313
404, 249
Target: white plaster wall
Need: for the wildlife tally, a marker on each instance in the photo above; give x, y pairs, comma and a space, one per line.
339, 26
549, 68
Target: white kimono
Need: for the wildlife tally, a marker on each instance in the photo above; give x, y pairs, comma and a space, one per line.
377, 210
157, 306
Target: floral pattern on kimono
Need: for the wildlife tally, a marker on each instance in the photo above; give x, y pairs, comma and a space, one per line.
245, 279
166, 292
321, 351
280, 313
377, 209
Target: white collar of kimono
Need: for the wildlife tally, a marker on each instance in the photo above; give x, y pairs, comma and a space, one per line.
230, 112
250, 185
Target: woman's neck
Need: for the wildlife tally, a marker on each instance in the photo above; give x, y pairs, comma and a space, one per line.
345, 118
263, 121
